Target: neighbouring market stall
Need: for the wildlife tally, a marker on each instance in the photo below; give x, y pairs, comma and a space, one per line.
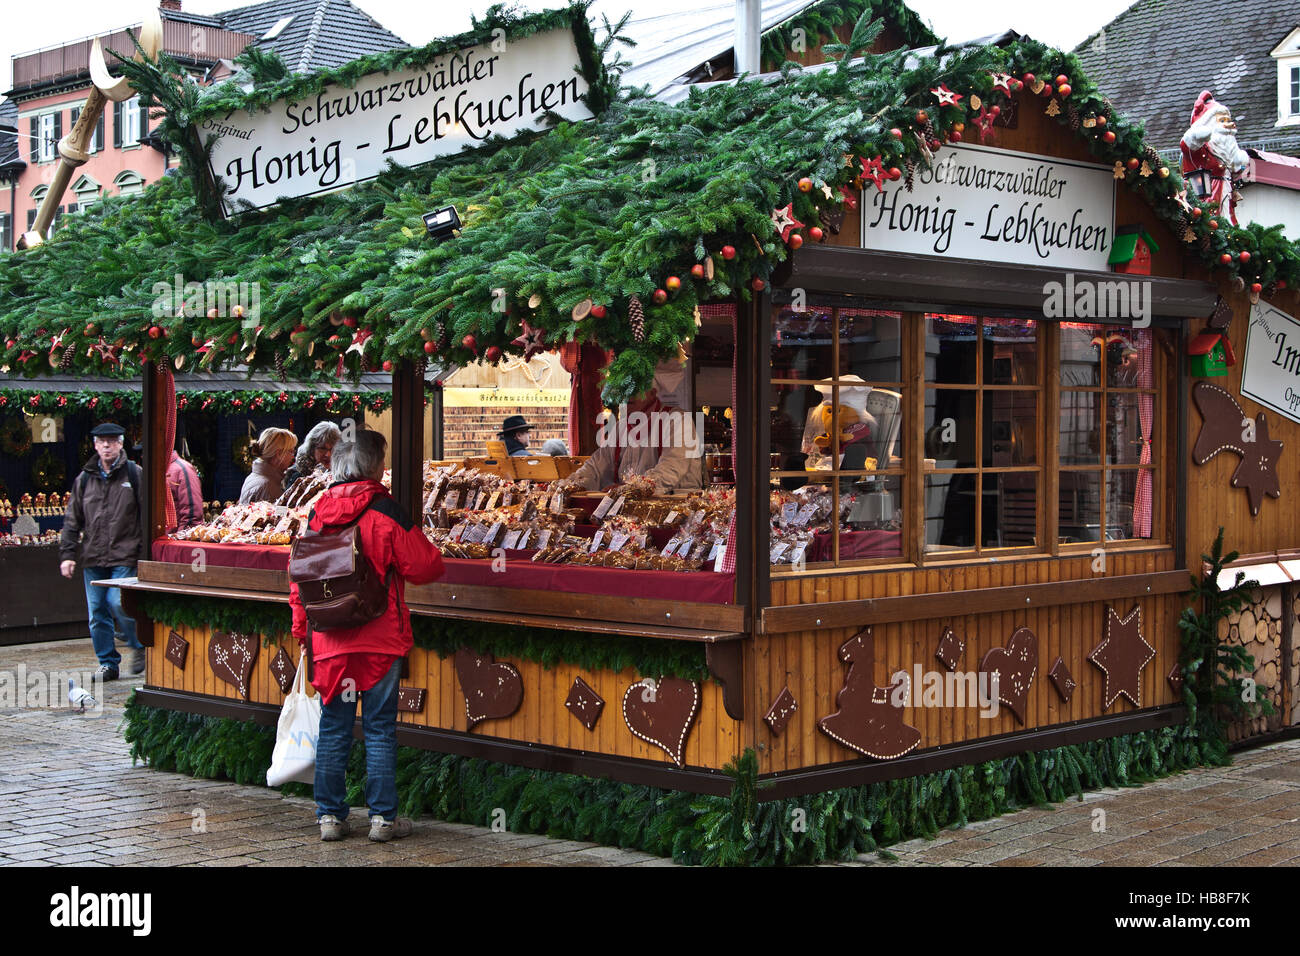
947, 464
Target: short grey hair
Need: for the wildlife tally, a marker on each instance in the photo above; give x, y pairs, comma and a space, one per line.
322, 435
361, 458
554, 447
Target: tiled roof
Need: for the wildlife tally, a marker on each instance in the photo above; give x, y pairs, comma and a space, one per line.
323, 33
8, 133
1155, 58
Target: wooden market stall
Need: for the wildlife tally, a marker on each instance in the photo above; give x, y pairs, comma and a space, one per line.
968, 482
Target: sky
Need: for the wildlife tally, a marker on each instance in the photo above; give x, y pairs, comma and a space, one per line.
30, 26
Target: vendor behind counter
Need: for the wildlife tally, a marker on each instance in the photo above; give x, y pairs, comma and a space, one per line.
646, 439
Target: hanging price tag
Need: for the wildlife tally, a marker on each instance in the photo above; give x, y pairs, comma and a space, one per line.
595, 542
512, 540
618, 506
616, 543
673, 544
603, 508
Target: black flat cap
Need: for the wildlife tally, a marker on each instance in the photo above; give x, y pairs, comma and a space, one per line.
108, 430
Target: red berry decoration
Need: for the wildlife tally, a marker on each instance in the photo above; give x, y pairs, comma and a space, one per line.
954, 136
1225, 258
493, 354
816, 233
697, 271
1245, 256
350, 322
1281, 283
430, 348
470, 343
1030, 79
598, 311
796, 240
1109, 136
1256, 288
805, 185
922, 117
673, 283
388, 366
234, 339
996, 111
659, 296
758, 285
1213, 224
1196, 213
896, 173
154, 332
896, 133
728, 252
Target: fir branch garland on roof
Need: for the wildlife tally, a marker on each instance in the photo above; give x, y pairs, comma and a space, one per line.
616, 207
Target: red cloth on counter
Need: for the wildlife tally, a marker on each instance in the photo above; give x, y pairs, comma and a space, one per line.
705, 587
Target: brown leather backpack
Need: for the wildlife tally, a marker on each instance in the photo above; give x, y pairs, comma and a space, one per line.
337, 585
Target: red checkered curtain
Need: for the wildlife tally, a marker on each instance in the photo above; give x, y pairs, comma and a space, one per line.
1146, 416
583, 363
167, 385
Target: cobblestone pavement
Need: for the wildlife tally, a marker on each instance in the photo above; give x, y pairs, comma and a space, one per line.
70, 795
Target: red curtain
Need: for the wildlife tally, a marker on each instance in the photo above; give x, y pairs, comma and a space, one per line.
584, 364
167, 385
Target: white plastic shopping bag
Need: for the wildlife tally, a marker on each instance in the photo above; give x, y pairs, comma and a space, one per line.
294, 759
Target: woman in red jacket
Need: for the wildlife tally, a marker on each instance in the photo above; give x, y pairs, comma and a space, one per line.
364, 661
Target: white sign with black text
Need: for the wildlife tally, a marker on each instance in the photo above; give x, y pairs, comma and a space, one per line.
993, 205
342, 136
1270, 369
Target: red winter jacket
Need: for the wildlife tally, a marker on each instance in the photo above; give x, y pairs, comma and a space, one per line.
187, 496
390, 540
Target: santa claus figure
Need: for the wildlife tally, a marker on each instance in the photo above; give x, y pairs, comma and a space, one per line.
1211, 144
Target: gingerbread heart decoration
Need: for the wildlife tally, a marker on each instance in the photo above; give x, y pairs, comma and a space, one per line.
492, 689
231, 658
1011, 670
661, 712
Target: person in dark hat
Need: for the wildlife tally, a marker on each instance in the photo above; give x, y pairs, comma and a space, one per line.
516, 432
105, 518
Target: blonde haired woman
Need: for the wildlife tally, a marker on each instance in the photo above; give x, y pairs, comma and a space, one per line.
274, 450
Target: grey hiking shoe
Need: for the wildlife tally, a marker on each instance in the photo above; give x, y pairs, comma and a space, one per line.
137, 662
332, 828
381, 830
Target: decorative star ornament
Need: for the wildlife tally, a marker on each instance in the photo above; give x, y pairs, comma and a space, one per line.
984, 124
850, 197
874, 170
946, 96
1257, 472
783, 221
1121, 655
530, 340
1001, 83
359, 342
827, 191
107, 353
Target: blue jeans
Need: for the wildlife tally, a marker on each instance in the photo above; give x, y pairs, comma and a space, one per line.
334, 746
105, 604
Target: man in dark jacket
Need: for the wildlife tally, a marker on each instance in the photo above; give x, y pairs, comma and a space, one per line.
104, 517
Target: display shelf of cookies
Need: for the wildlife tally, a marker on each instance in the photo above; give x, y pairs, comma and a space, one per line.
42, 540
261, 523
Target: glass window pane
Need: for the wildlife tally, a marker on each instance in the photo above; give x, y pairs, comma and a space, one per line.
1123, 427
1080, 355
950, 512
1010, 428
1010, 510
801, 526
871, 517
871, 345
802, 344
950, 427
1080, 514
800, 429
1121, 491
1080, 425
950, 349
1128, 358
1010, 352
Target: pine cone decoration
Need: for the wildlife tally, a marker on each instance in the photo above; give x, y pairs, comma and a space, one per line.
65, 362
636, 318
910, 176
279, 367
439, 334
1073, 113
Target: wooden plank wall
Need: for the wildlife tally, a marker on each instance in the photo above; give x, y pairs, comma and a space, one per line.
807, 661
714, 740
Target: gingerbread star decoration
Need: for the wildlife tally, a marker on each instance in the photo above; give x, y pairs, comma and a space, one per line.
1121, 655
1225, 427
1001, 83
359, 341
984, 123
946, 96
874, 170
1257, 472
107, 353
783, 221
530, 340
827, 191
